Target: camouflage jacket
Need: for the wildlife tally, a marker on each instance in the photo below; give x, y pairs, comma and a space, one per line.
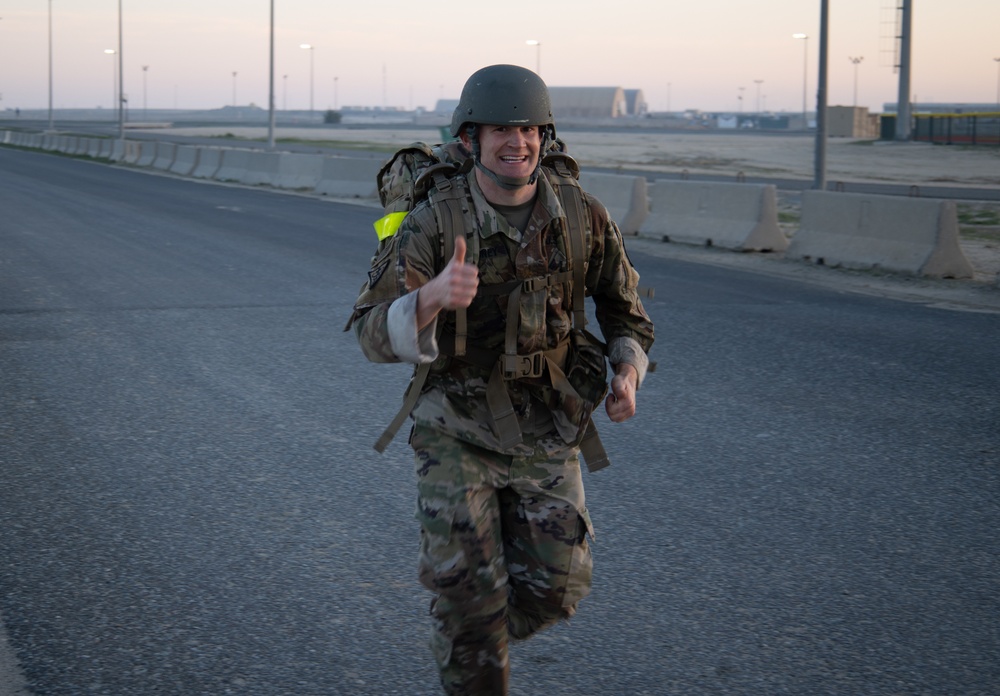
454, 400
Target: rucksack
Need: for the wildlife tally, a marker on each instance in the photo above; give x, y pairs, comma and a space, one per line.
420, 171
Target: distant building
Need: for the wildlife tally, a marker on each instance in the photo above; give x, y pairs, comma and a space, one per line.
581, 102
588, 102
446, 106
851, 122
635, 102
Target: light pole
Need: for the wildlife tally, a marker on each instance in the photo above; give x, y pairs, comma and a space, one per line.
335, 103
145, 69
538, 55
51, 124
856, 61
270, 81
284, 92
311, 49
234, 88
805, 75
758, 83
114, 78
741, 98
121, 76
998, 82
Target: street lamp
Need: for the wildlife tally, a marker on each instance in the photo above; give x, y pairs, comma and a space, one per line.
284, 92
538, 54
805, 74
234, 88
856, 61
51, 122
311, 49
145, 69
114, 78
998, 82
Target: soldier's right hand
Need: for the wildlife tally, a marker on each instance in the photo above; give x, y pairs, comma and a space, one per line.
455, 287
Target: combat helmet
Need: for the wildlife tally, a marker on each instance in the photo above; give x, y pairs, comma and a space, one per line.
504, 95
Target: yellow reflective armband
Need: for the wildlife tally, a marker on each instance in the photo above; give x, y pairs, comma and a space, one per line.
386, 226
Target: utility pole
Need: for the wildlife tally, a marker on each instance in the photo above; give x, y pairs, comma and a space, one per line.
270, 87
856, 61
121, 78
819, 180
903, 110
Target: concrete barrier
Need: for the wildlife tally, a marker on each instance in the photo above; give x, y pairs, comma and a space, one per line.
732, 216
95, 147
625, 197
118, 150
233, 166
298, 171
107, 148
349, 177
147, 153
185, 160
80, 147
904, 235
165, 154
209, 160
262, 168
133, 150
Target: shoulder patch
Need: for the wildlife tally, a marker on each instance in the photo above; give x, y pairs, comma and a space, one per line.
376, 273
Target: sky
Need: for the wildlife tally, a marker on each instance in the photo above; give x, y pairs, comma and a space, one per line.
713, 55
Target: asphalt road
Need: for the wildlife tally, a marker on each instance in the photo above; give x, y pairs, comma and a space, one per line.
807, 502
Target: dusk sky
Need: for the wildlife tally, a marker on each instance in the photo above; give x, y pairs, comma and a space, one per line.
682, 54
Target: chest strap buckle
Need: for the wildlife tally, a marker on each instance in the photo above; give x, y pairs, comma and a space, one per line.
522, 366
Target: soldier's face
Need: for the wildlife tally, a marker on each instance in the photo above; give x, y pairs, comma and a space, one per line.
510, 150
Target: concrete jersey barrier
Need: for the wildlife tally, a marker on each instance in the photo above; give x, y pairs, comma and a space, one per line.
262, 168
625, 197
732, 216
185, 160
349, 177
165, 153
907, 235
299, 171
233, 166
147, 153
209, 161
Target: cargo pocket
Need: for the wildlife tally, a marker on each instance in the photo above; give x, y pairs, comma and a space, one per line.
582, 564
438, 562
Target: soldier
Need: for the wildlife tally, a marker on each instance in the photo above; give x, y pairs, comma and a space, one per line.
512, 380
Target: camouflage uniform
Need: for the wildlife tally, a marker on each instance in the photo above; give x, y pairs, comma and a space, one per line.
503, 531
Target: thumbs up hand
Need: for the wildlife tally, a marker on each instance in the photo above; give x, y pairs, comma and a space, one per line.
455, 287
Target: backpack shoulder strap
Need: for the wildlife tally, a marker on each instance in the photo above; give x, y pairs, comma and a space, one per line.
579, 233
447, 194
578, 225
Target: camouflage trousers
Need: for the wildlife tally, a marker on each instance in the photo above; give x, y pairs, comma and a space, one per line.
503, 547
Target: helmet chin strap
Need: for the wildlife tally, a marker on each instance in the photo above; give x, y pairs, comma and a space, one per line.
508, 183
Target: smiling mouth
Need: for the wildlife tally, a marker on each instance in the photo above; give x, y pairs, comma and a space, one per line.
514, 159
